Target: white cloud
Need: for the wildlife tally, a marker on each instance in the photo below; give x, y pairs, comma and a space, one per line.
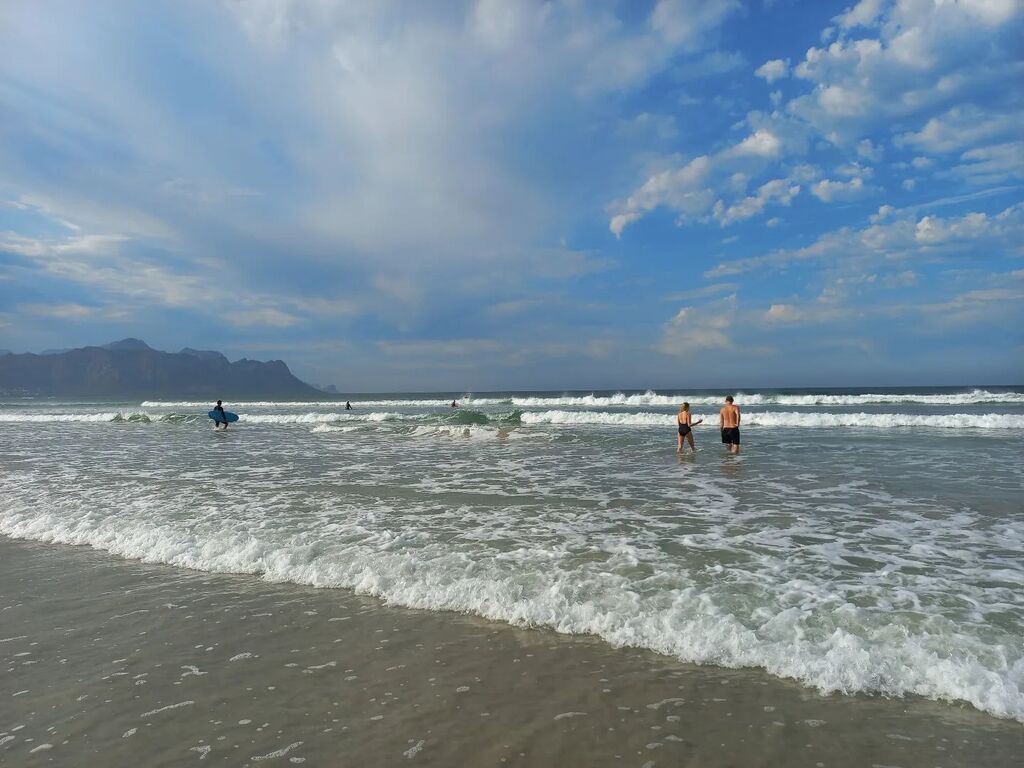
701, 293
855, 170
681, 189
960, 127
829, 191
992, 164
894, 236
686, 23
67, 311
268, 316
884, 212
869, 151
932, 230
926, 55
690, 190
124, 282
865, 13
97, 260
379, 141
761, 143
805, 313
773, 70
780, 191
695, 329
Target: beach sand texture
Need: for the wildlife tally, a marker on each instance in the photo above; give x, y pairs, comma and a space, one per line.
108, 662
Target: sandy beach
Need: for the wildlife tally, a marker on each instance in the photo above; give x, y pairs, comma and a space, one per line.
109, 662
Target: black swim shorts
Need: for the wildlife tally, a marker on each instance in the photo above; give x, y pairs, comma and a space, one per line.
684, 430
731, 435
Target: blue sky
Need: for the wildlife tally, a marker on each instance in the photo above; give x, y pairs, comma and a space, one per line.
495, 195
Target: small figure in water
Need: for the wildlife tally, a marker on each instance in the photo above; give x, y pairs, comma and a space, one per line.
454, 404
221, 423
348, 405
685, 431
729, 419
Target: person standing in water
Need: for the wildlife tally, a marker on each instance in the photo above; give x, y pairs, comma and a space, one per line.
348, 405
222, 422
685, 427
729, 419
454, 404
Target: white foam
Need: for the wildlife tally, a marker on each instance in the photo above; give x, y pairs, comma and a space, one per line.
30, 418
805, 628
580, 415
467, 431
648, 398
786, 419
101, 417
279, 404
278, 752
322, 418
168, 707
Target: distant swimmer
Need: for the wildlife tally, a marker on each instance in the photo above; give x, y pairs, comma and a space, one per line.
222, 422
348, 405
454, 404
685, 424
729, 419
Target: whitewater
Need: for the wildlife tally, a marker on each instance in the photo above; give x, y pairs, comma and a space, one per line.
866, 542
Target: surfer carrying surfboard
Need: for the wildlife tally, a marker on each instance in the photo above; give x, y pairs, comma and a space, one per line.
219, 409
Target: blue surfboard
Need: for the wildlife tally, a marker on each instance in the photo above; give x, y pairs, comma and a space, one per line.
231, 417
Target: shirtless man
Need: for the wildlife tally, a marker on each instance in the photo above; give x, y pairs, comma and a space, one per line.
729, 418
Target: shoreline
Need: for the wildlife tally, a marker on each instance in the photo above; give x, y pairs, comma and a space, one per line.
115, 662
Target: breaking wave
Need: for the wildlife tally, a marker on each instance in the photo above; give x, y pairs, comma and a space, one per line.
649, 398
107, 416
808, 631
787, 419
466, 417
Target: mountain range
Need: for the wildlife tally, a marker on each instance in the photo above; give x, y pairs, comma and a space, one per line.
130, 368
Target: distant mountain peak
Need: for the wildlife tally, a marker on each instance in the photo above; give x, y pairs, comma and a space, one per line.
204, 354
127, 345
130, 368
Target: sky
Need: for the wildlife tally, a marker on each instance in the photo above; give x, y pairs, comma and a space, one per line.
493, 195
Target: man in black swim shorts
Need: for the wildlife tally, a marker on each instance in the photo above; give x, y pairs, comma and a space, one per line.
729, 418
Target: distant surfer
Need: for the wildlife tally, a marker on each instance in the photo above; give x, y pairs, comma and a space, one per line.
222, 422
454, 404
685, 427
729, 419
348, 405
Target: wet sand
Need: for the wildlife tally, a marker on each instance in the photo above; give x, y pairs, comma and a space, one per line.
107, 662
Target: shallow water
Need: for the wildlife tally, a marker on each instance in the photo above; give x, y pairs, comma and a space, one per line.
862, 542
113, 662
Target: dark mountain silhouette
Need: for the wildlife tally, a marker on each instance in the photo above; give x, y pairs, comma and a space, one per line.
128, 345
131, 368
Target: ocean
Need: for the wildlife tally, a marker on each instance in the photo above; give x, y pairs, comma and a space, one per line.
863, 542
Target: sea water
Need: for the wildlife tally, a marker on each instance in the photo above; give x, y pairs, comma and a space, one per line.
863, 541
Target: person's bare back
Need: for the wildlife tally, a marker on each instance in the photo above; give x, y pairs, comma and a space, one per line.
730, 416
729, 420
